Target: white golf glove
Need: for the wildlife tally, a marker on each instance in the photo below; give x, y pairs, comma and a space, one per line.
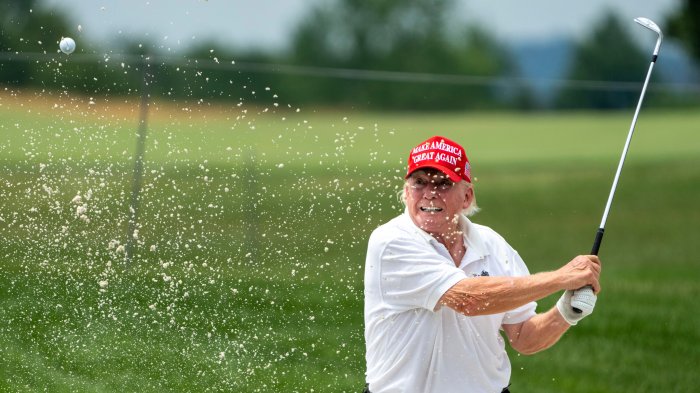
585, 303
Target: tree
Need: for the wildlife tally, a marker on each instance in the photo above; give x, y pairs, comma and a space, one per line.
684, 26
398, 36
24, 28
13, 12
608, 55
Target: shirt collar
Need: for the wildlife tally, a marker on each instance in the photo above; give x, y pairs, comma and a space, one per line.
476, 249
475, 243
413, 228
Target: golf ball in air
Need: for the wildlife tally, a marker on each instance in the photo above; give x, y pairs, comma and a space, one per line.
67, 45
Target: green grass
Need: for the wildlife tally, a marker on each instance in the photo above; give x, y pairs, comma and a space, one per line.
248, 265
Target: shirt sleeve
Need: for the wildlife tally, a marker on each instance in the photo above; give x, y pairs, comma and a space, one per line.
414, 275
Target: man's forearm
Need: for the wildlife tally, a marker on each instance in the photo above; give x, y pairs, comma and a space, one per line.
537, 333
492, 295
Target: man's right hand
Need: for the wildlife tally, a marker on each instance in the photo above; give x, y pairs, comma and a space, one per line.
581, 271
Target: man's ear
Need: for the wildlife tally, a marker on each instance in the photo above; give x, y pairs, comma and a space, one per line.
469, 197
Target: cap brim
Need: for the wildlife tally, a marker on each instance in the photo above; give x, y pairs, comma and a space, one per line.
451, 174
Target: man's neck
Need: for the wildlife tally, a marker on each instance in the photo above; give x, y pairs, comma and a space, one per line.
454, 242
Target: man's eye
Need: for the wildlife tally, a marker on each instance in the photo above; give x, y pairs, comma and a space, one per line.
445, 184
419, 183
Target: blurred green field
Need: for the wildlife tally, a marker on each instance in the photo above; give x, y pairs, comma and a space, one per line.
248, 261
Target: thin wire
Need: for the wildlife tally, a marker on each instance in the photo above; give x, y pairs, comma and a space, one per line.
352, 74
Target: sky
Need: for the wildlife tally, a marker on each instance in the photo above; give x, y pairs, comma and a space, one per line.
266, 24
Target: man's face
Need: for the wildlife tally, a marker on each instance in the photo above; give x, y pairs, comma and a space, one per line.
434, 201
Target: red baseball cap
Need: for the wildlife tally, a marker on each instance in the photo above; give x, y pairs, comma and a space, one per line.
442, 154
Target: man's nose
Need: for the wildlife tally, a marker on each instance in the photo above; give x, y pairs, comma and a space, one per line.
430, 191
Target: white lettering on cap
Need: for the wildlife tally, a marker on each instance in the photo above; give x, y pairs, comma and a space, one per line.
423, 156
438, 146
444, 157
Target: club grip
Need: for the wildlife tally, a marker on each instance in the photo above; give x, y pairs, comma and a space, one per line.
582, 294
597, 241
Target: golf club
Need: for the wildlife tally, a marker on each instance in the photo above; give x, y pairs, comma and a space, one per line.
584, 297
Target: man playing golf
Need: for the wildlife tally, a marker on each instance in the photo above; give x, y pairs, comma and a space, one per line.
439, 288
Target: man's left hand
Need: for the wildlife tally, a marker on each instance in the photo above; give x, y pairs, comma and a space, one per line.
566, 310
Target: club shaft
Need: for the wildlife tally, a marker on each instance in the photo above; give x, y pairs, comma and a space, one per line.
601, 230
582, 296
624, 155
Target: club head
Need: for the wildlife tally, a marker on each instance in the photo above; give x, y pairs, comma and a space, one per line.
649, 24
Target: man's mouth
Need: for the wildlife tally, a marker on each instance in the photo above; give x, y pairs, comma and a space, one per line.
431, 209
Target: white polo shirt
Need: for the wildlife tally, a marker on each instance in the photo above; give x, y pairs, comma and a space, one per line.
413, 343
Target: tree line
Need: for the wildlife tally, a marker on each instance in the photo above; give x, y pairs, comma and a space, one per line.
383, 54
